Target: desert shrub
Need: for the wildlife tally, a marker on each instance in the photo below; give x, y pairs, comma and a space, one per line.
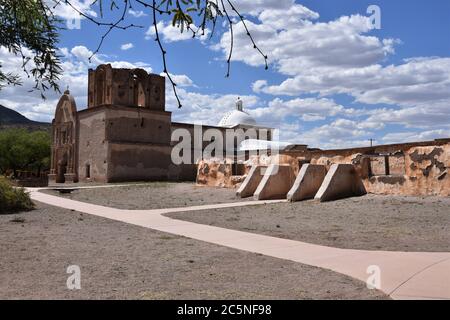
13, 199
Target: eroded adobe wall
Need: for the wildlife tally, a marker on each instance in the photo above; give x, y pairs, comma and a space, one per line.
222, 173
133, 124
138, 162
425, 170
124, 144
219, 173
403, 169
138, 143
92, 146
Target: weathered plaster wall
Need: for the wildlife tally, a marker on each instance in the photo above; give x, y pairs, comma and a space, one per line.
400, 169
407, 169
138, 162
426, 173
217, 173
92, 146
135, 124
124, 144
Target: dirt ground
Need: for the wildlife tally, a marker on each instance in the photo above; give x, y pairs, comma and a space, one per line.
371, 222
121, 261
154, 195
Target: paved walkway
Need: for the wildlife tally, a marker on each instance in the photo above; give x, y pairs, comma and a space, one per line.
404, 275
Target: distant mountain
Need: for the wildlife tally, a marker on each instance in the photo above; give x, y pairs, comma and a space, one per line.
12, 119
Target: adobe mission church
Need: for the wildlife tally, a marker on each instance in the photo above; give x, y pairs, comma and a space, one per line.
125, 132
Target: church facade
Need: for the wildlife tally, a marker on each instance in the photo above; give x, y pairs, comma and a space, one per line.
125, 133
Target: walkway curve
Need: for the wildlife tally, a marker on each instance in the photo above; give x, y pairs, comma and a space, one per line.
403, 275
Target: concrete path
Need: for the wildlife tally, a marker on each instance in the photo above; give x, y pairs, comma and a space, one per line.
403, 275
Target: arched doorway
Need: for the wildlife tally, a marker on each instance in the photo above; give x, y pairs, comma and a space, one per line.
62, 169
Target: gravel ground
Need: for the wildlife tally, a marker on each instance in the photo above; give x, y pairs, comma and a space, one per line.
155, 195
121, 261
370, 222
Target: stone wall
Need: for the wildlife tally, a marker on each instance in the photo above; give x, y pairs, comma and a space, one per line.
405, 169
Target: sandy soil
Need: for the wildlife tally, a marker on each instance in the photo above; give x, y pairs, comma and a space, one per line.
155, 195
121, 261
370, 222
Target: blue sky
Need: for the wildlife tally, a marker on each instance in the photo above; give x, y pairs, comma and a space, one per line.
332, 82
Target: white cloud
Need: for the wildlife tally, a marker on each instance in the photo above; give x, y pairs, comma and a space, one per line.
255, 7
170, 33
65, 11
341, 133
415, 117
308, 109
399, 137
126, 46
181, 80
412, 83
84, 54
295, 45
137, 13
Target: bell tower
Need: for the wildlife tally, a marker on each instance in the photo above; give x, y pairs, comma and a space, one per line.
125, 87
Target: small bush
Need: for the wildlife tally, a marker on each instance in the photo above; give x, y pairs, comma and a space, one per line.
13, 199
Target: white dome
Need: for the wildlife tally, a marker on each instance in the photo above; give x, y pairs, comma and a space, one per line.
236, 117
